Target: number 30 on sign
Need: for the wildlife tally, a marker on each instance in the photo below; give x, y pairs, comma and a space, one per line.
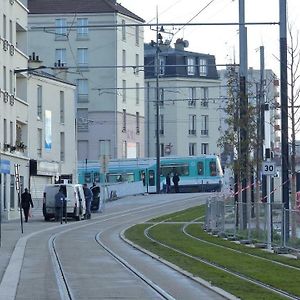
268, 168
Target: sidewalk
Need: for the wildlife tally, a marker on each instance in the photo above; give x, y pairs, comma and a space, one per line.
11, 233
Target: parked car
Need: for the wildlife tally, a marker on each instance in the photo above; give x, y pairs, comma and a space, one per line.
75, 201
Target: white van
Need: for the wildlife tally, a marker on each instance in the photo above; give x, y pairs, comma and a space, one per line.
74, 198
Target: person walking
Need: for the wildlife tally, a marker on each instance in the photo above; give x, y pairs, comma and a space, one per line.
60, 201
96, 197
168, 183
26, 202
176, 180
88, 200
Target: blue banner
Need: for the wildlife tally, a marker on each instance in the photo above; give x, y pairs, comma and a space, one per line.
5, 166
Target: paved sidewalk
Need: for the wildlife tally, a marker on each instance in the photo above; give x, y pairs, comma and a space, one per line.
11, 233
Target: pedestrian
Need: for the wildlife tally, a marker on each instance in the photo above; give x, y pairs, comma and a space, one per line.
96, 196
176, 180
26, 202
88, 199
60, 202
168, 183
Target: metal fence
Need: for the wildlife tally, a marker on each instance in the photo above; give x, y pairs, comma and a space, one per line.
258, 223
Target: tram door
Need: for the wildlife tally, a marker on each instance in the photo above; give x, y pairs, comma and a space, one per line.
151, 181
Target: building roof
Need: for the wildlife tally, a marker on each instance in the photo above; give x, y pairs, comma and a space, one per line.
79, 6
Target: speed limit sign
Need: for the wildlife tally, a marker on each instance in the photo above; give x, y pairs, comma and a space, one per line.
268, 168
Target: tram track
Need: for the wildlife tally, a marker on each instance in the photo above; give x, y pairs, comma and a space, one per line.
215, 265
63, 284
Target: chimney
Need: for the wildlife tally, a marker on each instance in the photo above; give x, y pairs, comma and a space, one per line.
34, 61
180, 44
60, 70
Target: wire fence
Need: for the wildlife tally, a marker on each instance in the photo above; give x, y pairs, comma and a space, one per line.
258, 223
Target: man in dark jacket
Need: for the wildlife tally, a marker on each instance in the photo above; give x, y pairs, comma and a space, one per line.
26, 202
88, 200
60, 203
176, 180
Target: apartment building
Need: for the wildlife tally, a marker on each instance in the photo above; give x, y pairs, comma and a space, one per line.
51, 129
104, 56
13, 104
188, 100
270, 96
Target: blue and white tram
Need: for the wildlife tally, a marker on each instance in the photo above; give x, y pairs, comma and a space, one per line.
197, 173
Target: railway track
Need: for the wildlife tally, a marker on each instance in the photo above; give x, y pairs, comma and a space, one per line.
62, 270
217, 266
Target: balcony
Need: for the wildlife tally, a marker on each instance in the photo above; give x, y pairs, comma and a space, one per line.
204, 131
192, 131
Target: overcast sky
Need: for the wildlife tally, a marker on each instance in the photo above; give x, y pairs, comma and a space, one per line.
221, 41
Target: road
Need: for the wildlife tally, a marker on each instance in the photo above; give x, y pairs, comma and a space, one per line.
67, 262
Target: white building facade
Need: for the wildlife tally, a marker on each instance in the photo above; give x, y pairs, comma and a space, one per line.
188, 102
52, 132
13, 104
103, 62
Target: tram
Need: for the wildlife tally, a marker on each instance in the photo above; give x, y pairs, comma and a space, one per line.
197, 173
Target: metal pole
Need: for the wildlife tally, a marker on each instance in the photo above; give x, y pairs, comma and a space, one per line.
284, 117
243, 110
157, 111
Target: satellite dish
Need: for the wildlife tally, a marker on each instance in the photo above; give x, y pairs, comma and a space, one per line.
186, 43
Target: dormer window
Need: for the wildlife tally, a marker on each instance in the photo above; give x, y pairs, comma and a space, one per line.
202, 67
191, 66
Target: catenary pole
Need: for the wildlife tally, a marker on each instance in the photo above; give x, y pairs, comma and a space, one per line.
284, 119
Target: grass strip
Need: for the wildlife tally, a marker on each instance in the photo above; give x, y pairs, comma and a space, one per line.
228, 282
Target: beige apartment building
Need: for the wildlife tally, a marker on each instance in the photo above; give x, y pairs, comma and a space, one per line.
105, 64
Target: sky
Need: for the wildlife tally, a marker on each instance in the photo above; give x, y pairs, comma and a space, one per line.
221, 41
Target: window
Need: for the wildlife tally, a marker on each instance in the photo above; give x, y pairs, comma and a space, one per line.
105, 147
138, 150
124, 149
82, 56
11, 81
191, 66
204, 148
12, 191
137, 93
60, 28
82, 117
39, 102
192, 124
82, 29
61, 56
192, 149
202, 67
4, 26
124, 120
5, 131
4, 79
204, 96
137, 35
10, 31
62, 146
162, 64
39, 142
137, 63
212, 168
82, 90
204, 125
124, 60
161, 96
192, 97
62, 107
124, 91
162, 125
200, 167
123, 30
11, 132
162, 149
137, 122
